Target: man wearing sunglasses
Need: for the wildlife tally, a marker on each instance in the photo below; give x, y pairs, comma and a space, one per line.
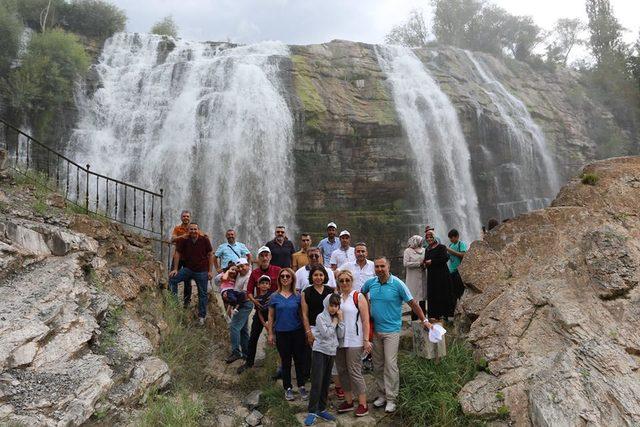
302, 274
300, 258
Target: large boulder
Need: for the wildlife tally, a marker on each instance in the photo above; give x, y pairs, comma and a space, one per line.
553, 307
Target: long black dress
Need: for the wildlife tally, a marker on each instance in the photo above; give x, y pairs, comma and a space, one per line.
438, 282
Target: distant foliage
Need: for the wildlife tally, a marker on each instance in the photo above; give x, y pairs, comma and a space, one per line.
165, 27
413, 33
10, 32
605, 31
91, 18
565, 35
42, 86
94, 18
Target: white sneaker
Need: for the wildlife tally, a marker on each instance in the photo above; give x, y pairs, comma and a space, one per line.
379, 402
201, 321
391, 407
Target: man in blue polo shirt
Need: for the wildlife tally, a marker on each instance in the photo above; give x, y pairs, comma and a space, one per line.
230, 252
329, 244
386, 295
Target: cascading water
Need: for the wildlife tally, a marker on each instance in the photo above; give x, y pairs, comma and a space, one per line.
207, 122
526, 177
443, 166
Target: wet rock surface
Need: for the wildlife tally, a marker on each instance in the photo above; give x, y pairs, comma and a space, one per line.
553, 306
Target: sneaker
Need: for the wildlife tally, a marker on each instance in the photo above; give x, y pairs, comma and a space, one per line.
339, 393
242, 368
379, 402
311, 419
289, 394
345, 407
361, 411
391, 407
233, 357
303, 393
326, 416
201, 321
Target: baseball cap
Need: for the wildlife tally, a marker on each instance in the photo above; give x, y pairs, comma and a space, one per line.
428, 227
242, 261
345, 233
264, 277
332, 224
263, 249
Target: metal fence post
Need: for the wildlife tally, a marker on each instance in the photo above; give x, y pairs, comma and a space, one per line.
161, 223
86, 192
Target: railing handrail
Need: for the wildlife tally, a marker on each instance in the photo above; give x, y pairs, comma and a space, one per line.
65, 158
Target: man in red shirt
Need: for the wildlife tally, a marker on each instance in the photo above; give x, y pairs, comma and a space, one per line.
196, 253
264, 267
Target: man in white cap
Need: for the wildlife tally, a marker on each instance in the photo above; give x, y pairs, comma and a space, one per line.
345, 253
264, 268
329, 244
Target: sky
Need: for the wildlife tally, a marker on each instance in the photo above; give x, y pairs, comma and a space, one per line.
318, 21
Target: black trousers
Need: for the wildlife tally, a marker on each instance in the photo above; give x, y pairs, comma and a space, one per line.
307, 359
320, 381
254, 336
291, 346
457, 289
423, 306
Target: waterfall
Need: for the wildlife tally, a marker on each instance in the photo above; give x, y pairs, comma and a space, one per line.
207, 122
526, 176
443, 168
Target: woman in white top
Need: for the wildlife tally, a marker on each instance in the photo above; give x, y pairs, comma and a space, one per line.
353, 345
416, 278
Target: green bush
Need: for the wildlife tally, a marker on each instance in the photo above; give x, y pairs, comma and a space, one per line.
589, 179
31, 12
43, 85
428, 391
10, 32
165, 27
94, 18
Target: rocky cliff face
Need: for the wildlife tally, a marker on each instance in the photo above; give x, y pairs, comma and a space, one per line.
553, 307
71, 342
354, 164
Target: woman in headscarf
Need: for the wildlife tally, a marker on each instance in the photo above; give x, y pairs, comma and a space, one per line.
438, 278
415, 277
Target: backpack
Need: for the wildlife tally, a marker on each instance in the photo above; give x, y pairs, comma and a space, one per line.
356, 294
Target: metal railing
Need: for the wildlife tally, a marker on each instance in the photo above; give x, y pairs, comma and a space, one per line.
93, 192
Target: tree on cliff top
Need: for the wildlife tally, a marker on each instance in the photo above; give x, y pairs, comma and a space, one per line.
605, 32
413, 33
165, 27
564, 36
94, 18
10, 32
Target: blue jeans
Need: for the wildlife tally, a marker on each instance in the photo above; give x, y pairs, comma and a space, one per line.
201, 278
239, 328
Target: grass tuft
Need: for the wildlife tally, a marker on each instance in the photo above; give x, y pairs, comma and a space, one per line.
180, 409
589, 179
429, 391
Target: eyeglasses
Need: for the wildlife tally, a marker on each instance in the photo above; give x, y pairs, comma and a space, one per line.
279, 232
306, 240
285, 276
314, 256
344, 280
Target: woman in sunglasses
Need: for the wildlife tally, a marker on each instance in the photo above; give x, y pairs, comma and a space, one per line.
285, 321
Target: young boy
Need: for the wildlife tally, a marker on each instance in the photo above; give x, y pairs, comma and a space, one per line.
328, 330
259, 320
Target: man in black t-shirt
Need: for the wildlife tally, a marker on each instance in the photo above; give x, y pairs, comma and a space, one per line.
281, 249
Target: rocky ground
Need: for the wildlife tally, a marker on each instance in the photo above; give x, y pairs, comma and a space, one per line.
71, 345
554, 307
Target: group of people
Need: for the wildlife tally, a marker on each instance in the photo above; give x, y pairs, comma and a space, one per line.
326, 308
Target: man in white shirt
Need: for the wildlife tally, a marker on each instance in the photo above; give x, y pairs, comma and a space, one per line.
345, 253
362, 268
302, 275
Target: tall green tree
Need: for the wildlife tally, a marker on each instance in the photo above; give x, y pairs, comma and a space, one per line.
41, 89
605, 39
453, 20
565, 35
94, 18
10, 32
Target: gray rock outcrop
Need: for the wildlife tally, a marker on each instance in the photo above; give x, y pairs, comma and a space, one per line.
68, 343
553, 307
